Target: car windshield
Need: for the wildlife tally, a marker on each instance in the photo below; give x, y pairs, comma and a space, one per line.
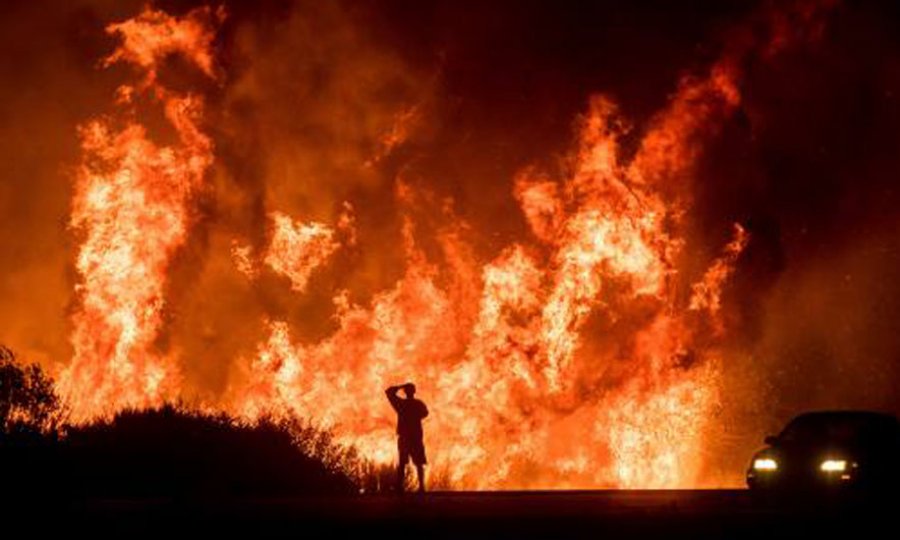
841, 428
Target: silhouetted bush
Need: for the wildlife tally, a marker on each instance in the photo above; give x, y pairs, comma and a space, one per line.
30, 418
29, 406
166, 452
171, 452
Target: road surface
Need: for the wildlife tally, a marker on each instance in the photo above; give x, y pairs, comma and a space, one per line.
518, 515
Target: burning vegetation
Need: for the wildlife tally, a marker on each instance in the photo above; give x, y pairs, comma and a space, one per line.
222, 266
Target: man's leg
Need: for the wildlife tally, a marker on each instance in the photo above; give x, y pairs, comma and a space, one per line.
403, 455
420, 472
401, 476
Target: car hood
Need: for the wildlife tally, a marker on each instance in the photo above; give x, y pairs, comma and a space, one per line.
815, 452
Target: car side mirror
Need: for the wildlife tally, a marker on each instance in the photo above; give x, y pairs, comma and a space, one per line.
771, 440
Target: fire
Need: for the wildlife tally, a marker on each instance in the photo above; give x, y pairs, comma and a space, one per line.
707, 292
296, 249
516, 373
579, 356
130, 210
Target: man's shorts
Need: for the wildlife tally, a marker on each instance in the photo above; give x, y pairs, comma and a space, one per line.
411, 449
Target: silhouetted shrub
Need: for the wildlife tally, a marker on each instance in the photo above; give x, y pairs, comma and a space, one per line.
171, 452
30, 417
167, 452
29, 405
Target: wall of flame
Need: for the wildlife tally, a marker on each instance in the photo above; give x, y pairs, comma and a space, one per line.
231, 256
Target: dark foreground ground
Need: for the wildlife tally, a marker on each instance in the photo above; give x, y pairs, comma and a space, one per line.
579, 514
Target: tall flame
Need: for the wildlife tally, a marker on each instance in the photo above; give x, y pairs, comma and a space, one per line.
130, 210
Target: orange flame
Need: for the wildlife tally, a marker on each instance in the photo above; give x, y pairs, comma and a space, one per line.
707, 292
130, 209
297, 248
571, 359
505, 373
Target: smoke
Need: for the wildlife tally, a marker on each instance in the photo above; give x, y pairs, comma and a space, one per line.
306, 126
49, 86
808, 167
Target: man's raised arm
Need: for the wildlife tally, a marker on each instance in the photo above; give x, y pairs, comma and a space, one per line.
391, 394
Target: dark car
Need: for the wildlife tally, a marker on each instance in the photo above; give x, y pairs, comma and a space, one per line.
830, 450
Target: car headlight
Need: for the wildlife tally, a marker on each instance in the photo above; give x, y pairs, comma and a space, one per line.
765, 464
833, 465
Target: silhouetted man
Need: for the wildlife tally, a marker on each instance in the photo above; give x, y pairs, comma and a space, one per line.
410, 412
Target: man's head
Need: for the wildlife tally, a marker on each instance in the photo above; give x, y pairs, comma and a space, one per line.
410, 390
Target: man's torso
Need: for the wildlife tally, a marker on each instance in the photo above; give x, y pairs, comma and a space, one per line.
409, 418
